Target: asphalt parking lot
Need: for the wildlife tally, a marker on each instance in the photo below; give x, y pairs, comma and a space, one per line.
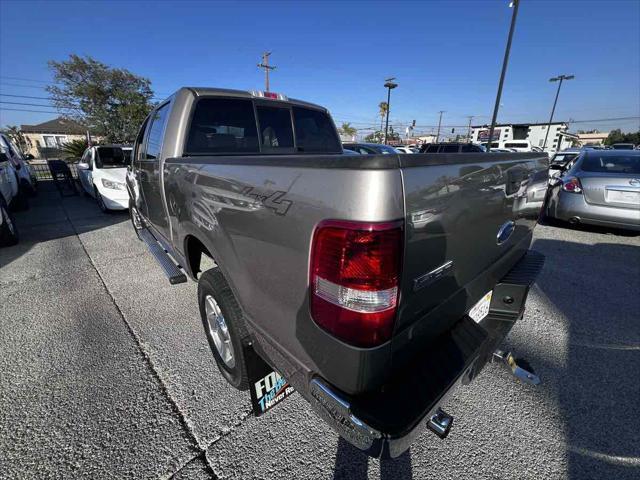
106, 373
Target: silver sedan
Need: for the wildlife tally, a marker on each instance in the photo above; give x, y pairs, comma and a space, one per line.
599, 187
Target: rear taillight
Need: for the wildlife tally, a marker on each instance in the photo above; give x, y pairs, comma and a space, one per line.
354, 279
571, 185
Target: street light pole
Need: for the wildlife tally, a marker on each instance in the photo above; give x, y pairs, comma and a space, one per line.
505, 62
390, 85
559, 78
439, 123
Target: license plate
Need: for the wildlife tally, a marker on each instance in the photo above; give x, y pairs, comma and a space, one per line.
620, 196
481, 309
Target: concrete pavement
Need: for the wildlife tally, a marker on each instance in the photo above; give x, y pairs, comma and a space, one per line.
105, 371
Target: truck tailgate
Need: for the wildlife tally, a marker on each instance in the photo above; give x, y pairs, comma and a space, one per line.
465, 215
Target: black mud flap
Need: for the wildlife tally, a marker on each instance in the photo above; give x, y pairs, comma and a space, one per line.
267, 387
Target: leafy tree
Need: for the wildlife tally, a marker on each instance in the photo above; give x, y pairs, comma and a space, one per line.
14, 133
112, 102
375, 137
75, 148
616, 136
347, 130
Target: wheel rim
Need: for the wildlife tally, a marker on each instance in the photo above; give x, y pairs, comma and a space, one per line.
219, 331
7, 218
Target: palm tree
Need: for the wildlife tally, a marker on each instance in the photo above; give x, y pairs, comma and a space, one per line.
74, 149
347, 130
383, 108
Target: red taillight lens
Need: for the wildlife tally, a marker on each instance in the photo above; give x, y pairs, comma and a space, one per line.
572, 185
355, 275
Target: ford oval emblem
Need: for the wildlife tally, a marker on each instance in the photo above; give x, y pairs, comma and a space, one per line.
505, 232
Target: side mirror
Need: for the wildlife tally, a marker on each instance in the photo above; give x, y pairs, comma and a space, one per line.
28, 156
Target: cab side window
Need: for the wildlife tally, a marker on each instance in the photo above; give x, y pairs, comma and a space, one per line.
157, 123
137, 147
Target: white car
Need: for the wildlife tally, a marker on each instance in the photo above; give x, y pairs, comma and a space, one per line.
406, 150
8, 191
102, 171
24, 176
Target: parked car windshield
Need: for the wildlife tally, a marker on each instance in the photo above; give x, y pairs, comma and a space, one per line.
111, 157
385, 149
611, 163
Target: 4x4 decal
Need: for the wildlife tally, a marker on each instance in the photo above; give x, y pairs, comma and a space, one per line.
274, 201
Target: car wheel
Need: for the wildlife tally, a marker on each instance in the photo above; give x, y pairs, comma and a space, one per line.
8, 229
100, 200
224, 327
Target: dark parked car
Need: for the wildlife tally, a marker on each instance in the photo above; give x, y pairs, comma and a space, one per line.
370, 148
451, 147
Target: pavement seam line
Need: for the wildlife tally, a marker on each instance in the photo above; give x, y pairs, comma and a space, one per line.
186, 424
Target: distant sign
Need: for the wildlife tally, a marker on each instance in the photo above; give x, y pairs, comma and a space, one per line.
483, 135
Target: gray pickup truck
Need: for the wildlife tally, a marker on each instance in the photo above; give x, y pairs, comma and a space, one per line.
373, 285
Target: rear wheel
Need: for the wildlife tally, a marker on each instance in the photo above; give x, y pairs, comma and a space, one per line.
8, 229
224, 327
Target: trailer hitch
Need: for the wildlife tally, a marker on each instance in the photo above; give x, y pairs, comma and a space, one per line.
520, 368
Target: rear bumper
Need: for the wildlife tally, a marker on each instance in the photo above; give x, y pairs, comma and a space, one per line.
385, 423
569, 206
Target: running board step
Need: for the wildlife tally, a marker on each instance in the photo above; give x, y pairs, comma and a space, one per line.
171, 270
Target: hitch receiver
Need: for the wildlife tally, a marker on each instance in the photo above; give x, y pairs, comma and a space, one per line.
520, 368
440, 423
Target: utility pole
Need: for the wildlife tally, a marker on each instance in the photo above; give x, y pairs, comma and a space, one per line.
505, 62
439, 123
470, 117
389, 85
267, 67
555, 79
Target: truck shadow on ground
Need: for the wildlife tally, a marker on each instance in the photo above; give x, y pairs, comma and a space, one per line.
594, 376
352, 464
51, 217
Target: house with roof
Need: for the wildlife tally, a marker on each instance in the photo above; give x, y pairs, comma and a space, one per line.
45, 139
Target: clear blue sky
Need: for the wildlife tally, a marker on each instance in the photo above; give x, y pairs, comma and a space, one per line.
446, 55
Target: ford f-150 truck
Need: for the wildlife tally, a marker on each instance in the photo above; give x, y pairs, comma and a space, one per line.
373, 285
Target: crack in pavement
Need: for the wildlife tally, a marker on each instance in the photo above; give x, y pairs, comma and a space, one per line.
155, 372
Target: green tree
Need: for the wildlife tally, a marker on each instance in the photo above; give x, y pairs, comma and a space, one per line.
112, 102
347, 130
375, 137
75, 148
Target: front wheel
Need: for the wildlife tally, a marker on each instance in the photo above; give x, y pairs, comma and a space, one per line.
224, 327
100, 200
8, 229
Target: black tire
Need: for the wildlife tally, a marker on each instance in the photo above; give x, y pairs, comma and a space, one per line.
8, 230
213, 283
100, 201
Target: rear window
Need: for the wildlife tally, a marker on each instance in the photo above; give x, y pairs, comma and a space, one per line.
315, 132
222, 126
611, 163
563, 158
275, 128
432, 149
449, 149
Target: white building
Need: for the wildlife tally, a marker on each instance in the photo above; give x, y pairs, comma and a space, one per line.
525, 136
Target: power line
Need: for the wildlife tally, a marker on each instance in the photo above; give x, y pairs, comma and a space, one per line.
27, 104
2, 109
24, 79
25, 96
